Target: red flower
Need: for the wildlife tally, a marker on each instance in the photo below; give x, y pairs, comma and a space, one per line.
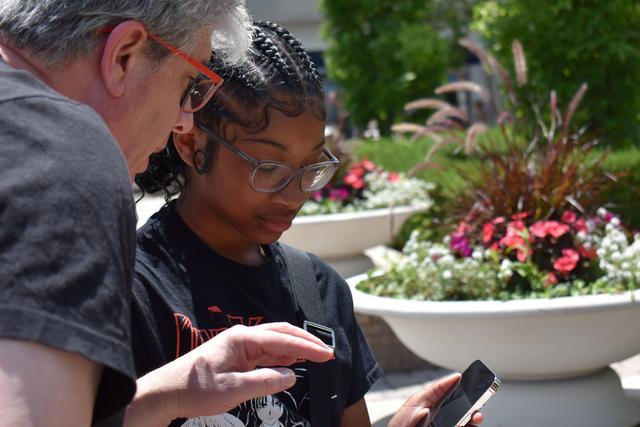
356, 170
516, 225
520, 216
543, 229
589, 253
514, 240
394, 177
498, 220
581, 225
368, 165
539, 229
487, 233
567, 262
557, 229
569, 217
354, 180
551, 279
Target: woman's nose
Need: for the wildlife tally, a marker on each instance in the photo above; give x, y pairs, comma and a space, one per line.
291, 196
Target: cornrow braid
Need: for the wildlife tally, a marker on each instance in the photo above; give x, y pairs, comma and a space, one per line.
294, 45
277, 74
270, 51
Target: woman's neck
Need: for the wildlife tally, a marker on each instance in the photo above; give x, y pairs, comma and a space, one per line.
218, 235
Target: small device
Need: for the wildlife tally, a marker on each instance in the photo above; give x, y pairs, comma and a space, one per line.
325, 333
477, 384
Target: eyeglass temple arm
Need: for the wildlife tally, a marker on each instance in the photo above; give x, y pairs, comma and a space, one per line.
239, 153
330, 155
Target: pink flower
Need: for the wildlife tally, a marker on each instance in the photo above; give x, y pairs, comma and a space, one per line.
514, 240
354, 181
581, 225
551, 279
543, 229
569, 217
516, 225
337, 194
520, 216
498, 220
567, 262
557, 229
394, 177
368, 165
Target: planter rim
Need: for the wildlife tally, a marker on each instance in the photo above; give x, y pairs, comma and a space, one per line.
383, 306
370, 213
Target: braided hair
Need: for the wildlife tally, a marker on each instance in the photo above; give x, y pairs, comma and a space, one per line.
277, 74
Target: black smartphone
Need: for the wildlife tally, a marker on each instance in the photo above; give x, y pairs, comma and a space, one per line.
477, 384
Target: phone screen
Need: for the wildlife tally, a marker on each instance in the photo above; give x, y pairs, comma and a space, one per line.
476, 380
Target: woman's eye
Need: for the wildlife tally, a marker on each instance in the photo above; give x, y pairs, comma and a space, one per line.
268, 168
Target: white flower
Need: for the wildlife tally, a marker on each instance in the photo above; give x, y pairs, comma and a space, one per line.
447, 275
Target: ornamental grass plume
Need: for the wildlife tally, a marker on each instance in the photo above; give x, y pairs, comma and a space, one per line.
545, 171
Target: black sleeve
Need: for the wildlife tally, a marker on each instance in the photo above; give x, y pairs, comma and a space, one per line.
336, 295
67, 242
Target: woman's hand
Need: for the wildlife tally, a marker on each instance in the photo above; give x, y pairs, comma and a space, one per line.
420, 405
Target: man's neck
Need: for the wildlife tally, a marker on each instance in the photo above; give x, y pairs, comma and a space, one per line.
22, 61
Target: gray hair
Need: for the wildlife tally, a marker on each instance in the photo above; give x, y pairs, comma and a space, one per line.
60, 31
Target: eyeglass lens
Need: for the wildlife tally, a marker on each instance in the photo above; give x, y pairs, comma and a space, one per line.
198, 95
274, 177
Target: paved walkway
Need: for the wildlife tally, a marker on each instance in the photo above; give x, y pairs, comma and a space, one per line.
390, 392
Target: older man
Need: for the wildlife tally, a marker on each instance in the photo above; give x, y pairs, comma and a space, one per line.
83, 82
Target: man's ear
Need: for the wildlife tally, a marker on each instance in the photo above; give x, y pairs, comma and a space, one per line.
123, 50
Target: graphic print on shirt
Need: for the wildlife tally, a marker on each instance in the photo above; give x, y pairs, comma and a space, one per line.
280, 410
188, 337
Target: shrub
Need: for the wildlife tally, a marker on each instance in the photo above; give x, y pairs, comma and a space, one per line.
571, 41
381, 52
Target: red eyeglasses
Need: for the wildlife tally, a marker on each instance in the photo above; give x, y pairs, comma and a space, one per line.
201, 88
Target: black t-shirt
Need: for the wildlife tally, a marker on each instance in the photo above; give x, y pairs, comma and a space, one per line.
67, 235
185, 293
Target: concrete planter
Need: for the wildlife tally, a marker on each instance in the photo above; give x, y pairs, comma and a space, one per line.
554, 354
340, 239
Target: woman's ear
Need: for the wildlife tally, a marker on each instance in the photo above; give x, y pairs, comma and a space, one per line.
188, 144
123, 53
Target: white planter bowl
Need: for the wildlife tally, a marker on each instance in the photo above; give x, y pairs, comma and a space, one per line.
534, 339
340, 239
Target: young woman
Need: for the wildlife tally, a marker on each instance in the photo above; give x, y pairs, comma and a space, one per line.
208, 261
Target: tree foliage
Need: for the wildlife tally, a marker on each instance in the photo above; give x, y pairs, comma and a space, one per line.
568, 42
383, 53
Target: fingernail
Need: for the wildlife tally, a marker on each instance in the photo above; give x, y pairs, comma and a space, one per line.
288, 376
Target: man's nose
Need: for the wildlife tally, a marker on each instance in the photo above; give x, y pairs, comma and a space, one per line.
184, 123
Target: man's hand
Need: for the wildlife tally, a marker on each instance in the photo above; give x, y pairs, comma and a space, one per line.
419, 405
221, 373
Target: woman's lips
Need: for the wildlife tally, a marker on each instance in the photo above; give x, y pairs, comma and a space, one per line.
276, 225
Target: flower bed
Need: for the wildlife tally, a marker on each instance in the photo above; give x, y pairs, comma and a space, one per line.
516, 259
366, 186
